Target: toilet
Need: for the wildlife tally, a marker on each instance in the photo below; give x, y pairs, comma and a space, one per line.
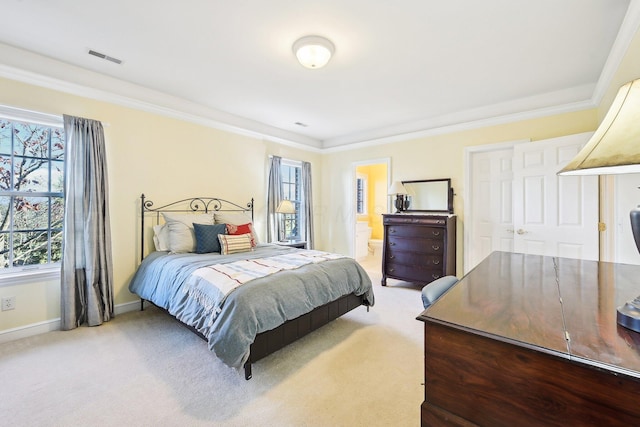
363, 234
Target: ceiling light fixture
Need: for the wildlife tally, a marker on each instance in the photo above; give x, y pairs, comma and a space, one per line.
313, 51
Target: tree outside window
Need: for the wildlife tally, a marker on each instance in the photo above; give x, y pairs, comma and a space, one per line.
31, 194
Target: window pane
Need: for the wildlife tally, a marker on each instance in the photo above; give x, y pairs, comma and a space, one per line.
57, 144
5, 137
56, 245
4, 250
57, 176
57, 212
31, 140
5, 172
31, 213
31, 174
4, 213
30, 248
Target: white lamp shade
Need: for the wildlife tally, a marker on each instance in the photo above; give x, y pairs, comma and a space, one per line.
614, 148
397, 188
286, 207
313, 51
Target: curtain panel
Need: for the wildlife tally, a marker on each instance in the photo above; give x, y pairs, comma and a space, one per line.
86, 272
274, 197
307, 208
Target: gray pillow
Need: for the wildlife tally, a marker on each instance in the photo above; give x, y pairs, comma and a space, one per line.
181, 236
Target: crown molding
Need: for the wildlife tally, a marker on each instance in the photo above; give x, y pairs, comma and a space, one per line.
627, 31
466, 126
93, 85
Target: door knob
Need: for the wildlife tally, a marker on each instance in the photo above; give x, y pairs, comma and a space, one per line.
521, 231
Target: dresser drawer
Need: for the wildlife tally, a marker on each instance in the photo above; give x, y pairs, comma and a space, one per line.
416, 231
415, 259
415, 244
413, 273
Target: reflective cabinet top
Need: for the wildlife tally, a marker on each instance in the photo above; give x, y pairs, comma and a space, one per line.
562, 306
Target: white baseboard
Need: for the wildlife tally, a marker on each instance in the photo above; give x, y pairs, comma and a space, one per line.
54, 324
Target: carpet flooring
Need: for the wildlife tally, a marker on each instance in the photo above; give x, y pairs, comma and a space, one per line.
145, 369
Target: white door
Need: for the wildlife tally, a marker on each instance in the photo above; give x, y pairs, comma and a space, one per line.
517, 203
554, 215
491, 204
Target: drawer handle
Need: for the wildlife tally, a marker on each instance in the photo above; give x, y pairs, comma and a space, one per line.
392, 230
391, 270
435, 276
392, 243
436, 261
435, 247
392, 257
436, 233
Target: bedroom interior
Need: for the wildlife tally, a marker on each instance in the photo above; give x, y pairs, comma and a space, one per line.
171, 145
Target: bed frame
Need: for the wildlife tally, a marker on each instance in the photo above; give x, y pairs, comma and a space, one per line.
269, 341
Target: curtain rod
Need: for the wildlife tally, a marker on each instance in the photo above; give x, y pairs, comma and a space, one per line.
22, 114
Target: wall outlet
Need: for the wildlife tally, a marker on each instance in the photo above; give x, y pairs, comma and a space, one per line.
8, 303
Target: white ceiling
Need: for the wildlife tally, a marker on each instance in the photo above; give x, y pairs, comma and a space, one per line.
400, 67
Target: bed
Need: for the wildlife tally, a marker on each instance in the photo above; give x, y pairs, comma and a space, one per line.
245, 298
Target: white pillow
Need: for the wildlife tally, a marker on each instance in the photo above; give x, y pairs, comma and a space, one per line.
234, 243
161, 237
181, 236
236, 218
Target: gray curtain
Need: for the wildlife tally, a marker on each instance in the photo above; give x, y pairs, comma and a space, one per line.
307, 206
87, 272
274, 196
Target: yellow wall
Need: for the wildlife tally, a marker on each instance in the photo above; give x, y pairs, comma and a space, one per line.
167, 159
376, 196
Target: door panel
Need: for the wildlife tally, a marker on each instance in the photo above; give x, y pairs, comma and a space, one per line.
491, 200
519, 204
556, 216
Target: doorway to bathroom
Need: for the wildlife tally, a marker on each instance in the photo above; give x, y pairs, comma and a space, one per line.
370, 201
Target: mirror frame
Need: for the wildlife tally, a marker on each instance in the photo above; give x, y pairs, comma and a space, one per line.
450, 194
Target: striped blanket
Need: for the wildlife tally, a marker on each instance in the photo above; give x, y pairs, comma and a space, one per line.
227, 277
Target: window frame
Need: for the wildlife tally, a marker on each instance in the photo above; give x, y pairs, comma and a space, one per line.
362, 194
36, 272
296, 199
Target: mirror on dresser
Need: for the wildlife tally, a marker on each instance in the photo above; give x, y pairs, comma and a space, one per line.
429, 195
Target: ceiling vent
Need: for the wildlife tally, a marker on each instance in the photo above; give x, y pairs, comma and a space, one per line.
106, 57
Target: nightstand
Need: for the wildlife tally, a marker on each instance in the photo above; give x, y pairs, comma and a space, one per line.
300, 244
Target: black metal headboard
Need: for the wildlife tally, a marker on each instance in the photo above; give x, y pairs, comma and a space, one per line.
191, 205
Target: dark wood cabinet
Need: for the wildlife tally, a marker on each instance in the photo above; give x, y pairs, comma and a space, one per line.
527, 340
418, 248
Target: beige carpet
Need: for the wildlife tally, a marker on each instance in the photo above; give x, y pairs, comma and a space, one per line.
145, 369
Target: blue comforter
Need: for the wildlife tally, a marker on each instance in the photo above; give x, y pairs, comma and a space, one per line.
257, 306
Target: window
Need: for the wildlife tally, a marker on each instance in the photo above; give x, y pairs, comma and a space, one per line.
31, 195
361, 194
292, 190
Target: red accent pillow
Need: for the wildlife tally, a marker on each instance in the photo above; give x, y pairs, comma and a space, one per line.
242, 229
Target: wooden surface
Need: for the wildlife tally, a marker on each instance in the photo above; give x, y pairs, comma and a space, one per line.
418, 248
529, 340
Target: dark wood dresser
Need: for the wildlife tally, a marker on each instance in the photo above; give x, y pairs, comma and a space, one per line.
525, 340
418, 248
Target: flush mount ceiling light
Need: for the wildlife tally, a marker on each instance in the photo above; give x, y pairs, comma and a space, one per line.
313, 51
